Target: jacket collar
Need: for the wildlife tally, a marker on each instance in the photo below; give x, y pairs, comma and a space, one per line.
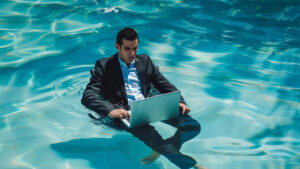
118, 78
141, 72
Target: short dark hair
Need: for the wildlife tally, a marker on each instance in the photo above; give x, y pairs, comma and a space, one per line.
128, 34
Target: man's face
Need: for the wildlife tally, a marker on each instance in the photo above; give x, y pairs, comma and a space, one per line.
127, 51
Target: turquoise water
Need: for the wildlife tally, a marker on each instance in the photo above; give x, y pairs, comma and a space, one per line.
237, 63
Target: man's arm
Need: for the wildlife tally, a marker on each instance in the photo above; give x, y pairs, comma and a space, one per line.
161, 83
93, 96
164, 86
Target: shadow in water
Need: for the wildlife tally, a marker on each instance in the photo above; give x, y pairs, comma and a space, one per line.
120, 151
103, 152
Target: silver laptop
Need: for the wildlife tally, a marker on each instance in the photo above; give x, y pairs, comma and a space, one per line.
153, 109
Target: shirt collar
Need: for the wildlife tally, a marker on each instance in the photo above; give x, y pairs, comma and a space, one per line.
122, 64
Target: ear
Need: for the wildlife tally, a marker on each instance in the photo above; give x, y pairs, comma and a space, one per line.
117, 46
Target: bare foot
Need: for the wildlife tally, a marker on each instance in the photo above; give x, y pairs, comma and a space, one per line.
152, 157
198, 166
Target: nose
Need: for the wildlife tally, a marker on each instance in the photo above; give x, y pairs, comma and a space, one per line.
132, 52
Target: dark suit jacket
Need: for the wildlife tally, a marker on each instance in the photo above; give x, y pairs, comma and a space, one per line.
106, 89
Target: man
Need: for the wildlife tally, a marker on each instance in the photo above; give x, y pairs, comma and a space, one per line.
119, 80
124, 77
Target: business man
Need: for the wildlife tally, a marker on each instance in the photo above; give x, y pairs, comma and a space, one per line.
122, 78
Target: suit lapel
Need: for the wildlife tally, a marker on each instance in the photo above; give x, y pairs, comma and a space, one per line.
141, 71
118, 78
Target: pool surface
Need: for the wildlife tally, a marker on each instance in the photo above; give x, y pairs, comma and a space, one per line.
236, 62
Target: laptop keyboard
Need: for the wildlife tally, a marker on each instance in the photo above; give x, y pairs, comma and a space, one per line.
128, 119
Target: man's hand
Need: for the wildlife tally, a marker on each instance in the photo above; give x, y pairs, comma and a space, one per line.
184, 109
119, 113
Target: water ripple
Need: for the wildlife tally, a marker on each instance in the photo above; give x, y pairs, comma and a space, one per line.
236, 63
225, 146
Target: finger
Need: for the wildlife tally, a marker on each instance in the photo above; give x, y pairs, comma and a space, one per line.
188, 109
183, 110
122, 115
126, 113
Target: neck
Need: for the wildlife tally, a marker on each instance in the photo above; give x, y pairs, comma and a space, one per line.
127, 64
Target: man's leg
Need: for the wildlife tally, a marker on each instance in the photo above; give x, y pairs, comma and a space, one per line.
187, 128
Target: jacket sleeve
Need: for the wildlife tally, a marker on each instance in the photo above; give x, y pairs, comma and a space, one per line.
160, 82
93, 96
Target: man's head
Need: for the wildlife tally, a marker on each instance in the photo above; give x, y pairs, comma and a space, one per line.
127, 45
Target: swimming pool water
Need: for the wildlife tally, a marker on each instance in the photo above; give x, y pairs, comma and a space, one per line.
236, 62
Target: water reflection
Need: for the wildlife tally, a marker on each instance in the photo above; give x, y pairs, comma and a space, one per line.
187, 129
236, 62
